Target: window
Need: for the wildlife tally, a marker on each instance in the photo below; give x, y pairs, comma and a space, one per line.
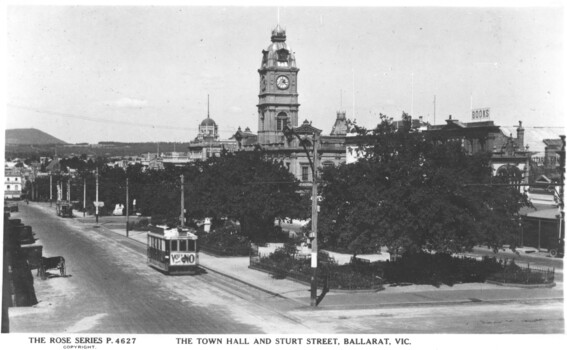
281, 121
191, 246
183, 245
304, 173
283, 55
174, 245
8, 187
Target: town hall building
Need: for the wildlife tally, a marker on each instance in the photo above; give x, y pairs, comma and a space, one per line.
278, 107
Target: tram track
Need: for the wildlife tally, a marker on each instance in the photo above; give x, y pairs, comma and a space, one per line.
257, 297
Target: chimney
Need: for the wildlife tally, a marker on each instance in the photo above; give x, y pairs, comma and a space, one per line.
520, 133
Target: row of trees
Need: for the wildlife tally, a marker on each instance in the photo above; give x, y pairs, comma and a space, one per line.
246, 187
405, 192
410, 193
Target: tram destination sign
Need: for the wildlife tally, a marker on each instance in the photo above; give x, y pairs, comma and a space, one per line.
480, 113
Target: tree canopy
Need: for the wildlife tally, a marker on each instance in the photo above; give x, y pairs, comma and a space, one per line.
247, 187
408, 192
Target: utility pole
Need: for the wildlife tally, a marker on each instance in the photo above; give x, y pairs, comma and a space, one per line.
84, 195
69, 190
127, 208
182, 216
314, 207
289, 133
562, 194
50, 189
96, 206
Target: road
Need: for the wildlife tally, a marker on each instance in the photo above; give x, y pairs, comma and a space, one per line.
110, 289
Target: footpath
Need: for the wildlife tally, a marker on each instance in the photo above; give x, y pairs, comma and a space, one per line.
406, 296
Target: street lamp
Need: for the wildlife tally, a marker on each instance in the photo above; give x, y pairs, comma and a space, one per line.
308, 135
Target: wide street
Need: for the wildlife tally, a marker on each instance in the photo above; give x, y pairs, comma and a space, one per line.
110, 289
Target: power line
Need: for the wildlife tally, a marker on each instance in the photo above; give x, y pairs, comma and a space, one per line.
533, 127
106, 121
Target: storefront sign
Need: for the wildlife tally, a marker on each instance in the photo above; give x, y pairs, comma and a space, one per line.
481, 113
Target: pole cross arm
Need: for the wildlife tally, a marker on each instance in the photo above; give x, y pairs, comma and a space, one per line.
289, 133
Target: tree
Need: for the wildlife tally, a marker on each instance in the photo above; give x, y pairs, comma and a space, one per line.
246, 187
407, 192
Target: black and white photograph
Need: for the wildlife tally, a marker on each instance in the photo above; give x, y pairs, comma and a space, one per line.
326, 176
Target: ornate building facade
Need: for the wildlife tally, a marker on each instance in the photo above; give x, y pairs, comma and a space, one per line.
208, 143
278, 107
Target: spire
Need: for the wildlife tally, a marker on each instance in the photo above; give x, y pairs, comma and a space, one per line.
278, 34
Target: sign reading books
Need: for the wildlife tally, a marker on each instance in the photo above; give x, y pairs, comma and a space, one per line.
481, 114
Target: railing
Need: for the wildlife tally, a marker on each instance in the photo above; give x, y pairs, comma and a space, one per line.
524, 274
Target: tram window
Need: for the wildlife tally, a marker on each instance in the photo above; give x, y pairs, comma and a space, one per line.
162, 245
183, 245
191, 246
174, 245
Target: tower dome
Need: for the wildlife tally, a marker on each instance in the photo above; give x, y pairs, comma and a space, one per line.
208, 128
208, 122
278, 53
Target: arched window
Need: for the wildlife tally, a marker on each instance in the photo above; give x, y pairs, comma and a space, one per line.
281, 121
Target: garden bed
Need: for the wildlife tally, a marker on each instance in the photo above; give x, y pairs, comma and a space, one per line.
421, 268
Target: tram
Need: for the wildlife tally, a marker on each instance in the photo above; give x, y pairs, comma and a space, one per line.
173, 250
64, 209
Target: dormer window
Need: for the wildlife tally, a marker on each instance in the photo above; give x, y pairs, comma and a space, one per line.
283, 56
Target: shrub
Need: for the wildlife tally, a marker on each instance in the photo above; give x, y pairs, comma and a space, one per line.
139, 225
417, 268
224, 240
513, 273
439, 268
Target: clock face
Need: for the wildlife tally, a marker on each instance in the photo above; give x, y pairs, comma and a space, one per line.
282, 82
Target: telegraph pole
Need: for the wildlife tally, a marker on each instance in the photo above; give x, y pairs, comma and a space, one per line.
84, 195
127, 208
96, 206
562, 194
182, 216
314, 207
50, 188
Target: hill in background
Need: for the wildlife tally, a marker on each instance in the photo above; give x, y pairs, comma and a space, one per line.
30, 137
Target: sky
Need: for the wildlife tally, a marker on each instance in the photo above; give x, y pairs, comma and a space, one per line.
143, 73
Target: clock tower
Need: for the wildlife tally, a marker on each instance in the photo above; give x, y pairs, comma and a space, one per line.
277, 104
